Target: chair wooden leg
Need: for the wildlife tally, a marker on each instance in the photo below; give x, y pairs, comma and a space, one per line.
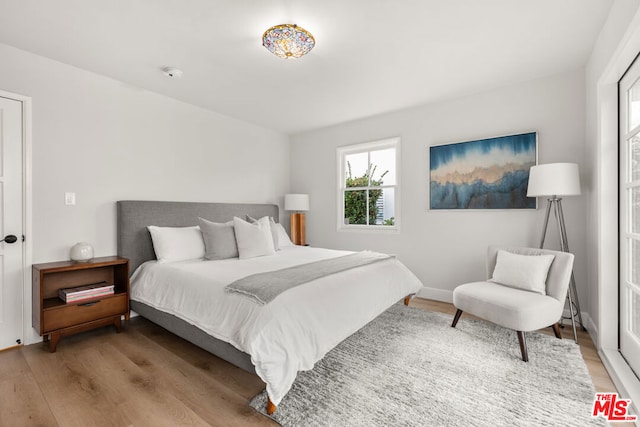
523, 346
456, 318
556, 330
271, 408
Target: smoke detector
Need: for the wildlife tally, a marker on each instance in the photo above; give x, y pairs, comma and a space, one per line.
172, 72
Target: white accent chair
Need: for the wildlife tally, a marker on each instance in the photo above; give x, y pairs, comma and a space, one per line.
513, 308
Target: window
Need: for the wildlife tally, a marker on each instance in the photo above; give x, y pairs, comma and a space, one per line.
368, 186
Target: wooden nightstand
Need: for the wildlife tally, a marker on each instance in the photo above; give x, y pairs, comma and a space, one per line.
53, 318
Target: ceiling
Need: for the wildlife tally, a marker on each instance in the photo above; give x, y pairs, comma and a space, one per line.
371, 56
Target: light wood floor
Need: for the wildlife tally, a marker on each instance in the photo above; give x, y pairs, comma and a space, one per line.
147, 376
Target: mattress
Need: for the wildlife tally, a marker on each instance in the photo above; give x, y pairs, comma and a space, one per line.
292, 332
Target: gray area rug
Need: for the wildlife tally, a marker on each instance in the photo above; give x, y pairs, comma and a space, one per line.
408, 367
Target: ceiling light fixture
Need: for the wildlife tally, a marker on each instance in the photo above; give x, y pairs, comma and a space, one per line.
172, 72
288, 41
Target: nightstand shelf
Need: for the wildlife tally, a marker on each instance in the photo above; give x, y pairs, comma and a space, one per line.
53, 318
53, 303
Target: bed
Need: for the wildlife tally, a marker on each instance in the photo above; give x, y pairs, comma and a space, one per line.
274, 340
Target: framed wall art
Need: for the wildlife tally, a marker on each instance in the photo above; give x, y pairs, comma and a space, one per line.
490, 173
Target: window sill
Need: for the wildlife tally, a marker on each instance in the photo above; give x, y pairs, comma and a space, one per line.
369, 229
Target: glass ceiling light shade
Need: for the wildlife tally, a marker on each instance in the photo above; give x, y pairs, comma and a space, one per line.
288, 41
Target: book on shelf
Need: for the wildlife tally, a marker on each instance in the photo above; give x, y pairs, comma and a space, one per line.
86, 288
88, 296
80, 293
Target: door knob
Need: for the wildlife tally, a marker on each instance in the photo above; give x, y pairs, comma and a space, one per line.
9, 239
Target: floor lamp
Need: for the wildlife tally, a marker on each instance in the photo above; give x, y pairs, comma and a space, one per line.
553, 180
298, 203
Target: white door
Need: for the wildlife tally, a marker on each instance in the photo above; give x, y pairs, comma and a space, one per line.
629, 96
11, 256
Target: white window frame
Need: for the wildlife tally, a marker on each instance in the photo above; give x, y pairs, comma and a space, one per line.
365, 147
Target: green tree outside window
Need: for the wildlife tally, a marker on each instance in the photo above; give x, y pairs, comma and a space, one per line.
355, 201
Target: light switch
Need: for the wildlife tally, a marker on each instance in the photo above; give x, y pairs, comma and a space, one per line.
69, 198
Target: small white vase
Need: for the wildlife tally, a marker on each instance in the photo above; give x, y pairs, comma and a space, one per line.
81, 252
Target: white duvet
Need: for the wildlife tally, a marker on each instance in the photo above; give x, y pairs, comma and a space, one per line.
293, 331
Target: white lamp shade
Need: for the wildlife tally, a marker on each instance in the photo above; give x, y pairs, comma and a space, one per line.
554, 179
296, 202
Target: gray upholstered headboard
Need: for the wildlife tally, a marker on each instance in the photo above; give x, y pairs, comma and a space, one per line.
134, 240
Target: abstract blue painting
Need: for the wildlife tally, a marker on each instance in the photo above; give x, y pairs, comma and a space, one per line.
488, 173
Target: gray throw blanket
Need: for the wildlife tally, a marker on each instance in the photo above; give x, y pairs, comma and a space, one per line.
263, 288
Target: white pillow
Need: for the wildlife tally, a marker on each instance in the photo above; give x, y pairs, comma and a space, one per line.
255, 239
272, 225
274, 233
527, 272
283, 238
177, 243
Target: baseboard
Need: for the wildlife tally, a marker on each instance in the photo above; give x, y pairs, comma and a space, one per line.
623, 377
436, 294
592, 329
588, 323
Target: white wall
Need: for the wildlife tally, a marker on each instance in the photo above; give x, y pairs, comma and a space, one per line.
108, 141
445, 249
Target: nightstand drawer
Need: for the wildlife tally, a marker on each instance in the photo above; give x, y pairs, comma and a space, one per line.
74, 314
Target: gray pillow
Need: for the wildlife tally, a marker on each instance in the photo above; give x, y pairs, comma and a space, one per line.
219, 239
274, 230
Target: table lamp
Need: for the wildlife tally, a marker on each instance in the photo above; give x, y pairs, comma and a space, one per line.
298, 203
